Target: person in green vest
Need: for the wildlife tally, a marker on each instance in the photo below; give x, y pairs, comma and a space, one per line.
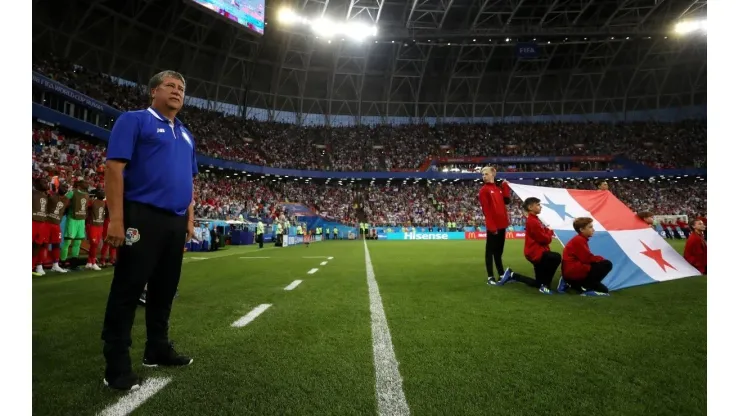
74, 231
318, 232
260, 233
336, 232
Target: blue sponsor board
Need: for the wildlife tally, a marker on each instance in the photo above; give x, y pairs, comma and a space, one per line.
425, 236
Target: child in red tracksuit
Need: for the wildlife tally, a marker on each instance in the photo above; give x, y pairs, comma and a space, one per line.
581, 268
493, 200
695, 251
537, 239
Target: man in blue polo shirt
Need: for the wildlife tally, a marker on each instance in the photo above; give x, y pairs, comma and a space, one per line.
149, 185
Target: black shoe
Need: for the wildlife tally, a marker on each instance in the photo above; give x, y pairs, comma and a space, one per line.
123, 381
164, 355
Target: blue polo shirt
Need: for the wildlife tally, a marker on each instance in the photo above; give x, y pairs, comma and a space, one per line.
161, 159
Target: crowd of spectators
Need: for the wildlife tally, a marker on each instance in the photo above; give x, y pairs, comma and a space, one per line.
66, 159
384, 148
229, 195
438, 203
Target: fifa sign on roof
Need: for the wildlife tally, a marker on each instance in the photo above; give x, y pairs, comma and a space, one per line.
527, 50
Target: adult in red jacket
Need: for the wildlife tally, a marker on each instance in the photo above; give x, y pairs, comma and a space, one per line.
695, 251
581, 268
537, 239
493, 199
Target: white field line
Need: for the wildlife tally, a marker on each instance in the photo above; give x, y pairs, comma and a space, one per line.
251, 316
323, 263
388, 381
134, 399
293, 285
330, 258
312, 271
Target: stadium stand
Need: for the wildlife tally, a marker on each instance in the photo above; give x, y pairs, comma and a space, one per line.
659, 145
222, 195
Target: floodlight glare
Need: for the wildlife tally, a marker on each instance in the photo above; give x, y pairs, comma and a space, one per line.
288, 16
690, 26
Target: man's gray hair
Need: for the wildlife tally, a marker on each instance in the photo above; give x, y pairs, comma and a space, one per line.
157, 79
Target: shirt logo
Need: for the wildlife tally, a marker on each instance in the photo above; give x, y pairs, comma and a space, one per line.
160, 130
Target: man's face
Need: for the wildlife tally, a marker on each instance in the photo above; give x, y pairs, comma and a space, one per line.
535, 208
170, 93
603, 186
699, 225
650, 220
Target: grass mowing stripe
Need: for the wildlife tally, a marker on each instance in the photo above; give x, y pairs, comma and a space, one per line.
251, 316
293, 285
312, 271
388, 381
134, 399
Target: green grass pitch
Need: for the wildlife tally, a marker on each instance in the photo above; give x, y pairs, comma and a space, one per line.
463, 348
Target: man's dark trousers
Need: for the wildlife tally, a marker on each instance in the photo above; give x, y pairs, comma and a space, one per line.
494, 251
152, 253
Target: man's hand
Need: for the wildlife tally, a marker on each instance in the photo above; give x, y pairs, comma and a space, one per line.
191, 232
115, 236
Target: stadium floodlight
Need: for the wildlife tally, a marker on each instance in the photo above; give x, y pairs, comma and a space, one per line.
325, 28
288, 16
690, 26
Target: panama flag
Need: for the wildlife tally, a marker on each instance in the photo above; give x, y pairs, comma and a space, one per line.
639, 254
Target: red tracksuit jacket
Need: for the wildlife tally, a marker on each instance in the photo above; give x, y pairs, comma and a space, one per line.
491, 199
577, 258
695, 252
537, 239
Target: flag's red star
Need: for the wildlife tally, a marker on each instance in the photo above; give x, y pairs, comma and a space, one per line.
657, 255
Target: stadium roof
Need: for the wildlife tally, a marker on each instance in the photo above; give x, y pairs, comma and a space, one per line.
430, 58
